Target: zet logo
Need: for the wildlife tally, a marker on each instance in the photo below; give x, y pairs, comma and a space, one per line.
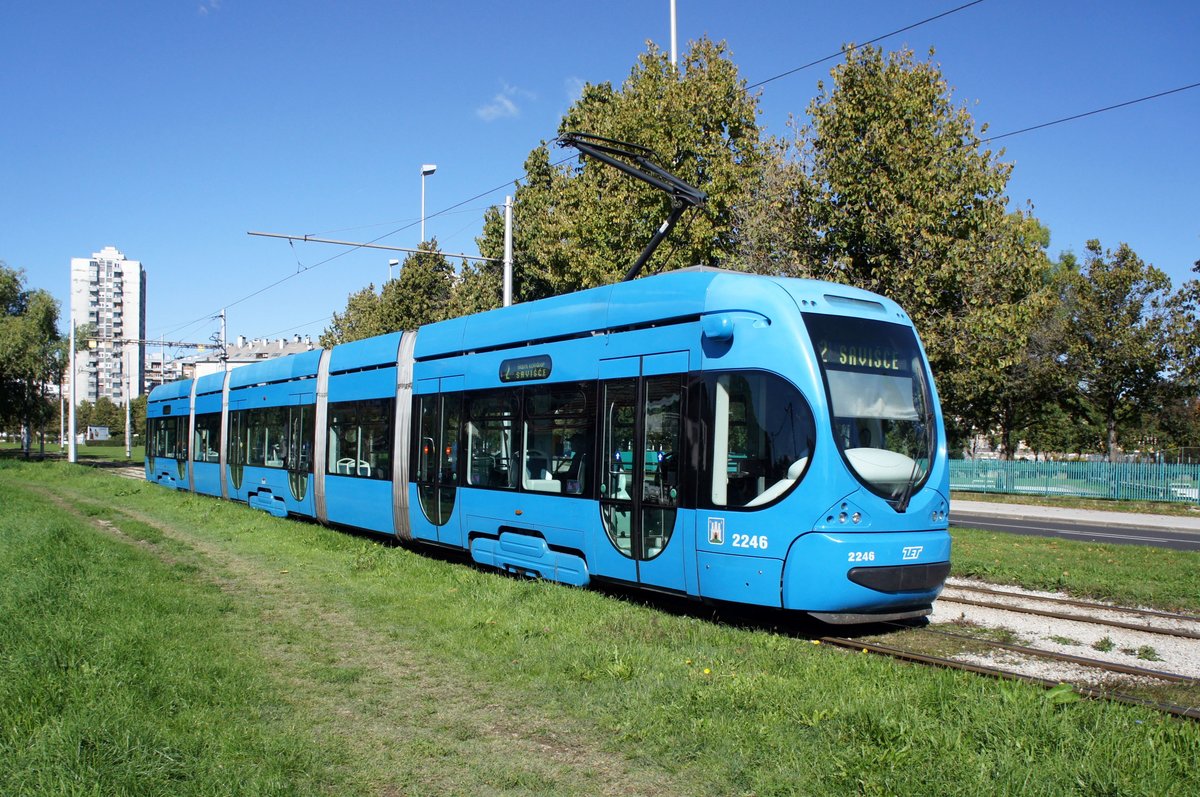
913, 551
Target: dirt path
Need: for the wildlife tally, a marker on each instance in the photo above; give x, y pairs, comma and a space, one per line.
405, 721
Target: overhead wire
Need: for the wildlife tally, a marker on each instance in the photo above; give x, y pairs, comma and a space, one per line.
1090, 113
303, 269
879, 38
516, 181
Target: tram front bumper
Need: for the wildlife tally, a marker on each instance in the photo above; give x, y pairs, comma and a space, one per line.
866, 575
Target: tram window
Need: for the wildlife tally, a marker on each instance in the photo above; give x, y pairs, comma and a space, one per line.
272, 437
660, 480
206, 441
762, 434
297, 454
490, 456
266, 436
360, 439
162, 436
880, 401
168, 436
437, 417
237, 437
559, 425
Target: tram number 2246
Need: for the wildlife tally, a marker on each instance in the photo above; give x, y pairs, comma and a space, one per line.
758, 541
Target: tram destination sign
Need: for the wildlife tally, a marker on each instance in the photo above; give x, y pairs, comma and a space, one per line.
526, 369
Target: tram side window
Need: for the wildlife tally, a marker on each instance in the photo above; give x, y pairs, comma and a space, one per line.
206, 442
360, 439
559, 427
162, 437
297, 455
762, 434
168, 436
265, 435
490, 454
272, 437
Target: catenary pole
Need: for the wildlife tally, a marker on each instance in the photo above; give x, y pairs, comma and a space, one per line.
71, 439
674, 50
128, 411
508, 251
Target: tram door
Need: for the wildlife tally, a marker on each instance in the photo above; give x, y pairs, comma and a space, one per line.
438, 412
639, 488
235, 450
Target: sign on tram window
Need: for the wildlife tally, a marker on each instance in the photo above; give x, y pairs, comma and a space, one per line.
526, 369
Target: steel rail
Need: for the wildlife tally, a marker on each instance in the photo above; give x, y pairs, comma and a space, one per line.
1108, 666
1188, 712
1077, 618
1078, 603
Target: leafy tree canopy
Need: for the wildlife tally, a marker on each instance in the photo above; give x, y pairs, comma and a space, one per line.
889, 188
31, 351
420, 295
582, 224
1117, 345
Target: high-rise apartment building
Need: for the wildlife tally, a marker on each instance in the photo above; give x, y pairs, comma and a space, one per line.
109, 292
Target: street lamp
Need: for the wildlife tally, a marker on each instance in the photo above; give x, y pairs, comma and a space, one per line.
391, 263
426, 170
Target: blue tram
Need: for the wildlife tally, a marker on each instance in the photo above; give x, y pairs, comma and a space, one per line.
720, 435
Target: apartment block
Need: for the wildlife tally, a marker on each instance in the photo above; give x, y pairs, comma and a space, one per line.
108, 291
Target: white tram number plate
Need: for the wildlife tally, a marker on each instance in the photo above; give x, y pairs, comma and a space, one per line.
758, 541
861, 556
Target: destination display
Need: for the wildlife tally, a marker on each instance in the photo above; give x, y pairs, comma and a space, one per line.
526, 369
855, 354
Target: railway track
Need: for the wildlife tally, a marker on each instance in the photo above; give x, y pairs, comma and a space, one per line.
1174, 709
982, 641
1151, 621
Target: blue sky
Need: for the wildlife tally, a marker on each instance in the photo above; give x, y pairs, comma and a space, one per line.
170, 128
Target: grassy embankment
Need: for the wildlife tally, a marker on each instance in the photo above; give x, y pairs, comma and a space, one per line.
83, 453
159, 643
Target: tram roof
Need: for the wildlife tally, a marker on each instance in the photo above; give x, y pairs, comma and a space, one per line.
685, 293
279, 369
171, 390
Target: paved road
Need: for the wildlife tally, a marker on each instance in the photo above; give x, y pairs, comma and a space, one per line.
1164, 531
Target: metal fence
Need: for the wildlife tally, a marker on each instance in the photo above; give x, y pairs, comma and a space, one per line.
1129, 481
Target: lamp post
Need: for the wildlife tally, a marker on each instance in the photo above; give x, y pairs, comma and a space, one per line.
391, 263
71, 425
426, 170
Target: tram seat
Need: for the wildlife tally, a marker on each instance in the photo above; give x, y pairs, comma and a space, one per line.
780, 487
349, 466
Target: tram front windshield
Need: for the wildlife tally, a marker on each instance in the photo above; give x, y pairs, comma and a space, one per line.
879, 399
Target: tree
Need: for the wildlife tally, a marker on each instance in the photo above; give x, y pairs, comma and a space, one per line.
421, 295
889, 188
1119, 342
582, 225
31, 351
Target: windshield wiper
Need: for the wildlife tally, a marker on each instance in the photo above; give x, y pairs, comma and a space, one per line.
910, 486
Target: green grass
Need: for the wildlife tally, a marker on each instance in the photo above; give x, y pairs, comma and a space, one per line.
313, 660
121, 675
1125, 574
84, 454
